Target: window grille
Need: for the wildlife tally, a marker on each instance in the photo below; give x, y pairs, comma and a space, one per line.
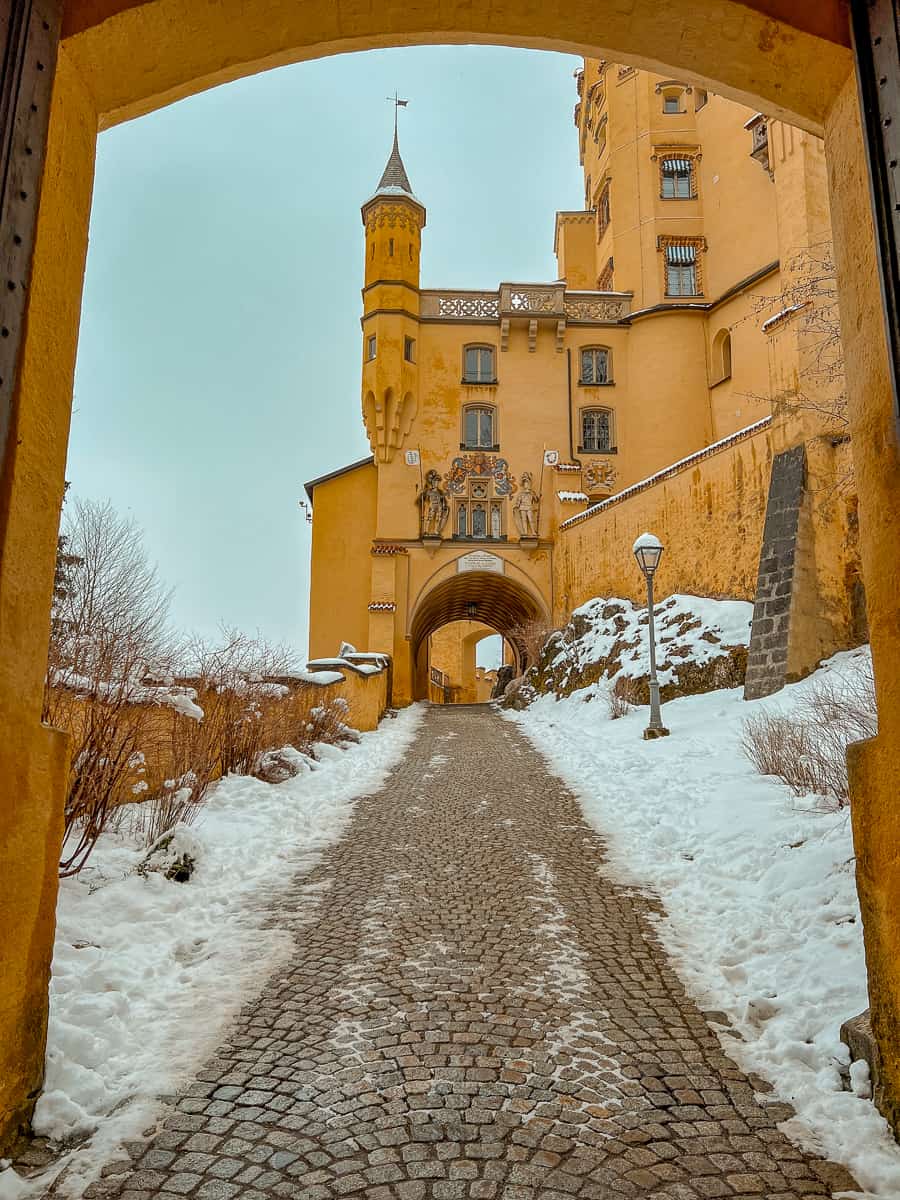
596, 430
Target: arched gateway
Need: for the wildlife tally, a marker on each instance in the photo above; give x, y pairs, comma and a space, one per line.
119, 58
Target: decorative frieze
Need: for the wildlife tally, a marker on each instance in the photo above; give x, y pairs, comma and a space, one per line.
591, 306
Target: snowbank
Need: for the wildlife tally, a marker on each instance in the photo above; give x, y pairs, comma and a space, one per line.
146, 972
700, 645
762, 918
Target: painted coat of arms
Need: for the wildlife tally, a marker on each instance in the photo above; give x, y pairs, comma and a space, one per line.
480, 464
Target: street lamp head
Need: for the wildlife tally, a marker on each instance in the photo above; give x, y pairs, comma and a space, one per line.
648, 551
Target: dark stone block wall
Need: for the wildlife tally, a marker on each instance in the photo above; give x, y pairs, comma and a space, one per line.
767, 658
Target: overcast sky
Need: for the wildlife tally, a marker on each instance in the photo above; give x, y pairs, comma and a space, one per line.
219, 360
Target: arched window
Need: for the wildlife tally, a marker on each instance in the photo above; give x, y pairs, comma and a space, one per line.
478, 364
596, 431
478, 428
479, 521
595, 365
721, 356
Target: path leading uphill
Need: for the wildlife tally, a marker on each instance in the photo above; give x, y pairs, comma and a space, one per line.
475, 1008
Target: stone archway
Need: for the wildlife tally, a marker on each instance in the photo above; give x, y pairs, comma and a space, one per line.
120, 58
501, 603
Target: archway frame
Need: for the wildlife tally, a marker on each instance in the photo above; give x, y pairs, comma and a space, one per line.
121, 58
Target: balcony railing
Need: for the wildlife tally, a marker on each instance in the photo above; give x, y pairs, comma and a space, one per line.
526, 300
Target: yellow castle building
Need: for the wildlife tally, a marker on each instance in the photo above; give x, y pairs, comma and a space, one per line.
522, 437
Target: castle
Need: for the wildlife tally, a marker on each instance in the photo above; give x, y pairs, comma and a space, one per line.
680, 375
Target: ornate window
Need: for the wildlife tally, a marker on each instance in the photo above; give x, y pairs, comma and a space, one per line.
478, 364
479, 515
603, 211
596, 431
479, 431
371, 344
677, 179
682, 276
595, 365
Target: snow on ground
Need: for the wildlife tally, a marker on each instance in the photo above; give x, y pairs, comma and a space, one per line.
762, 918
147, 973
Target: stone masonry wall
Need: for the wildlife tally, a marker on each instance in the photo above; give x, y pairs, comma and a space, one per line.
767, 660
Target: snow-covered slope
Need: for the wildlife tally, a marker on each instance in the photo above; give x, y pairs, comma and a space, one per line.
762, 919
701, 643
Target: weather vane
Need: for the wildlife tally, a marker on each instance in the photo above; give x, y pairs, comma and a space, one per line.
398, 104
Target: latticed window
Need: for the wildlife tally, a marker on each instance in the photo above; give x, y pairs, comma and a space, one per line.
595, 365
479, 428
479, 521
479, 364
681, 270
596, 430
677, 179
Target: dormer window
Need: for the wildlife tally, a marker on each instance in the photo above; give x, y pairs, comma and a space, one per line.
478, 365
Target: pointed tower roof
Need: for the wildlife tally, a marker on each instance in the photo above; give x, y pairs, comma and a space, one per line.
394, 182
394, 177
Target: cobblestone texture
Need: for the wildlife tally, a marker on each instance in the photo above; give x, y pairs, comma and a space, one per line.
477, 1009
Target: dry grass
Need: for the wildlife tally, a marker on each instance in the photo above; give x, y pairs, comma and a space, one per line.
622, 697
807, 750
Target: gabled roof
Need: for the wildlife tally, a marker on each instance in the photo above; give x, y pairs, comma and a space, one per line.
314, 483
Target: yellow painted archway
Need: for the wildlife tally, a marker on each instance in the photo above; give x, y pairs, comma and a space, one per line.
121, 58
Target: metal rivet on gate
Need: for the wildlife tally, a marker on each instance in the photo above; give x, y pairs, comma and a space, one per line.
10, 285
23, 195
40, 66
28, 150
4, 332
17, 239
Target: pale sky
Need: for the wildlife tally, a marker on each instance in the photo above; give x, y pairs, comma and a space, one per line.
219, 359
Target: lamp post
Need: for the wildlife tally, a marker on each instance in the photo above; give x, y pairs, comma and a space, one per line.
648, 551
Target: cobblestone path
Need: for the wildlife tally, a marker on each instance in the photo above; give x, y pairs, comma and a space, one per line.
476, 1008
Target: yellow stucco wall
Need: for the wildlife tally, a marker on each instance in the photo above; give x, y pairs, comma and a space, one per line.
120, 59
709, 518
343, 527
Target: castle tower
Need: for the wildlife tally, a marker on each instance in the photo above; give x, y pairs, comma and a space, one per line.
393, 220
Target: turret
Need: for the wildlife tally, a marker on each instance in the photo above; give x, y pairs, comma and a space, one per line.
394, 220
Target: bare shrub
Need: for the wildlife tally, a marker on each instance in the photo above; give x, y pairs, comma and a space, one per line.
807, 750
622, 697
110, 634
